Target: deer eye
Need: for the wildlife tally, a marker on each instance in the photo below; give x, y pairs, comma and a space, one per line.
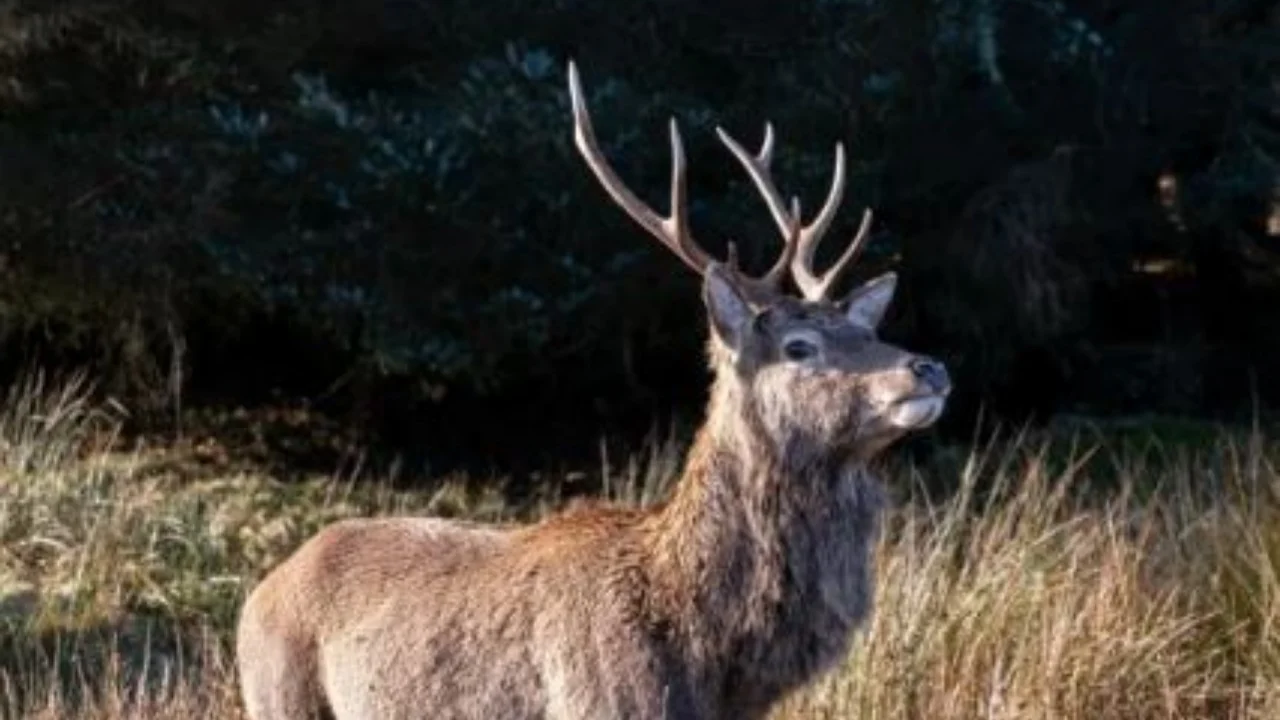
797, 349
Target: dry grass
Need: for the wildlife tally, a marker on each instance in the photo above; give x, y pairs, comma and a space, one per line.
1020, 596
1037, 604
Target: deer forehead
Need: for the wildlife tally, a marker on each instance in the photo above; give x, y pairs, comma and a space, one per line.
826, 327
789, 315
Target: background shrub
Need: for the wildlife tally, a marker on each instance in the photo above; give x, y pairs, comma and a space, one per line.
377, 206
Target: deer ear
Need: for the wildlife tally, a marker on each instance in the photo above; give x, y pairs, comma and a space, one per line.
728, 309
867, 304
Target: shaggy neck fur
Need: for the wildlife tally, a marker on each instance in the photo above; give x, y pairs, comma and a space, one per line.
759, 561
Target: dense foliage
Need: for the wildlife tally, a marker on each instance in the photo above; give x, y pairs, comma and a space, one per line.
378, 200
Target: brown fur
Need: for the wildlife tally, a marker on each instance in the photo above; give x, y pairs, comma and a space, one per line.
748, 582
745, 584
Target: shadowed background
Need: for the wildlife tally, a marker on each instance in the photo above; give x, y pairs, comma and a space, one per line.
363, 225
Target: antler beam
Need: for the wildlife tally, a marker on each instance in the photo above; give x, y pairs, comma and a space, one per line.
673, 230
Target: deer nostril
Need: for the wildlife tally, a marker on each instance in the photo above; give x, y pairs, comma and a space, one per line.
931, 371
921, 367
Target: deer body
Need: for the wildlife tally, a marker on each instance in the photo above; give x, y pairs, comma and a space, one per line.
743, 585
599, 613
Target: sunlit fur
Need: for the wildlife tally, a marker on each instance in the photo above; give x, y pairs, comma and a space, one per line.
746, 583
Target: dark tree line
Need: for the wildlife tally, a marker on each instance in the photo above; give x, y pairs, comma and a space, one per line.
376, 206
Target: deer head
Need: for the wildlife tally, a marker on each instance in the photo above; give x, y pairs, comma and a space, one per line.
811, 368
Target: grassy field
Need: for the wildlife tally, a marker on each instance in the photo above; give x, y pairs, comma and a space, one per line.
1022, 595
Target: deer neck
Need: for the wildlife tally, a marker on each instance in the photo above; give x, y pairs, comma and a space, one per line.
761, 548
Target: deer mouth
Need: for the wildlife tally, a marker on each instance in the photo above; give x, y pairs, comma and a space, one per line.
916, 411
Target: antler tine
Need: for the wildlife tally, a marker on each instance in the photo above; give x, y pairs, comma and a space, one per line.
673, 230
814, 286
833, 273
791, 245
758, 168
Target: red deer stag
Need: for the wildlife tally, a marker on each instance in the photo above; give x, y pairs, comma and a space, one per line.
746, 583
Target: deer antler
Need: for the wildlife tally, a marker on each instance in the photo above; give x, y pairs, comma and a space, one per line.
813, 286
673, 230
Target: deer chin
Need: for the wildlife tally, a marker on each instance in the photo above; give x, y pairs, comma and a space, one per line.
915, 412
